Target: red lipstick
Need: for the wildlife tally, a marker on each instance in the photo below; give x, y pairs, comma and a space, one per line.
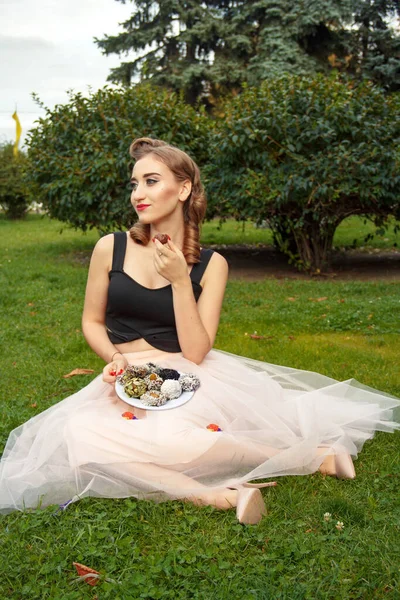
142, 206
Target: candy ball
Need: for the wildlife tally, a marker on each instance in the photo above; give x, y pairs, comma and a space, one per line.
189, 382
153, 381
153, 398
162, 237
168, 374
171, 388
135, 387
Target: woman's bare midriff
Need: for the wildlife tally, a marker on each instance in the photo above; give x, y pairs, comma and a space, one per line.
134, 346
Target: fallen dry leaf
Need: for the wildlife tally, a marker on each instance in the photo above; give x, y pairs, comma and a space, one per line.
79, 372
341, 300
291, 299
34, 405
84, 571
319, 299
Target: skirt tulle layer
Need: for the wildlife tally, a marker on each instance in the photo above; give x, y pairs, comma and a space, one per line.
272, 421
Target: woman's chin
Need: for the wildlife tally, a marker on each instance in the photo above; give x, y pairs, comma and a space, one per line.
144, 219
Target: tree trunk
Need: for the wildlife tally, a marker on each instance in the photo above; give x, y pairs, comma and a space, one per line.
308, 247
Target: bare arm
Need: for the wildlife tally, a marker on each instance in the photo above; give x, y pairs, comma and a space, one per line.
196, 324
94, 311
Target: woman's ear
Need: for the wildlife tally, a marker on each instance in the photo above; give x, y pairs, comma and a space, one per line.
185, 191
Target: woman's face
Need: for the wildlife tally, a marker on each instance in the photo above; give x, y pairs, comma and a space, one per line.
156, 193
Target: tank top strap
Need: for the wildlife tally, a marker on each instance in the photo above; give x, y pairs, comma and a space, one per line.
119, 250
198, 269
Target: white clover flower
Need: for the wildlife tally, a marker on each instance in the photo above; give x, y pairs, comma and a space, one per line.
327, 516
339, 525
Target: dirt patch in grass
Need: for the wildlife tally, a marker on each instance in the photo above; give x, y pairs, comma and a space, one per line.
254, 263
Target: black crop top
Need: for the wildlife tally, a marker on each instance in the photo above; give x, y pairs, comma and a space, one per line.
134, 311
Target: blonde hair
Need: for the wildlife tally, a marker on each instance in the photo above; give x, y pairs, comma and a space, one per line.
194, 208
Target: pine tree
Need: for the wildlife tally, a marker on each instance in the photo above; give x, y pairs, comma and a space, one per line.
206, 49
174, 41
375, 44
294, 37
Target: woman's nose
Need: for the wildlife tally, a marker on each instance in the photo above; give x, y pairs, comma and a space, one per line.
138, 192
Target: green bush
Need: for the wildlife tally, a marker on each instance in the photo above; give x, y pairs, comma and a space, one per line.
79, 153
13, 192
303, 154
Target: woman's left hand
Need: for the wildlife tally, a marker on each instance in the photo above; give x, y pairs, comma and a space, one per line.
170, 262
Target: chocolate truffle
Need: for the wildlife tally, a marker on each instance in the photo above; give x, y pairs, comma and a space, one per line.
162, 237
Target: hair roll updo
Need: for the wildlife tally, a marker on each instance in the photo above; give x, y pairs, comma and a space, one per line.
194, 208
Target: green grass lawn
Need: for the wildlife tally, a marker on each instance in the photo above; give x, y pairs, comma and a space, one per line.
174, 550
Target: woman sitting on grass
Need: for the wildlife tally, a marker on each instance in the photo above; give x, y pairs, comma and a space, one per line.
160, 303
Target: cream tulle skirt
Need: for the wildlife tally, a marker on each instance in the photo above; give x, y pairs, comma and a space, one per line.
272, 421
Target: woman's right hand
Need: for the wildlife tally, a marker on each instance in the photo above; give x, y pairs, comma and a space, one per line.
114, 368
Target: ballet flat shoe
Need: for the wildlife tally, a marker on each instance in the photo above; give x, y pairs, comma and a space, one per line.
250, 506
342, 468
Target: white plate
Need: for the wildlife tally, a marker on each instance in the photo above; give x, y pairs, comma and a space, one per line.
183, 398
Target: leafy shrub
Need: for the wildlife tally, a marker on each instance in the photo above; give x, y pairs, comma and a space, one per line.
303, 154
79, 152
13, 192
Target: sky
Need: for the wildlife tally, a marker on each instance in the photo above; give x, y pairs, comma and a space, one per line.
46, 47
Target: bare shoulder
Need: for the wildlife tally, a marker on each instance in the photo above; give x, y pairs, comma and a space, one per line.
105, 244
217, 269
103, 252
218, 262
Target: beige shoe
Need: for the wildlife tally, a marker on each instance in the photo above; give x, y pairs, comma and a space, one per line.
338, 465
344, 466
250, 507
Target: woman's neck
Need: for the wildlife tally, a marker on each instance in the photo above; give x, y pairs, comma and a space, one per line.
176, 231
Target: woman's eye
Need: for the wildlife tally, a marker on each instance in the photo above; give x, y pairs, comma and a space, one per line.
134, 185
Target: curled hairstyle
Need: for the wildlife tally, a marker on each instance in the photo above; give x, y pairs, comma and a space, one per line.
194, 208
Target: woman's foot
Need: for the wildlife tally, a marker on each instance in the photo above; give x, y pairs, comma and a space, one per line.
249, 503
224, 500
